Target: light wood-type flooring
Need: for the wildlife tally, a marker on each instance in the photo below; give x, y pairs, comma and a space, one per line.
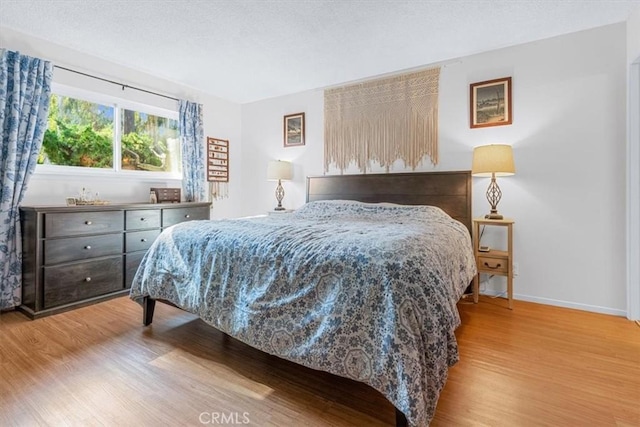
98, 366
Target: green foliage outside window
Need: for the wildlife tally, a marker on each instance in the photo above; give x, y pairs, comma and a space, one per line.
137, 149
77, 145
81, 133
146, 141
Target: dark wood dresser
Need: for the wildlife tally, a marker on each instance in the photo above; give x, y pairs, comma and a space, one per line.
80, 255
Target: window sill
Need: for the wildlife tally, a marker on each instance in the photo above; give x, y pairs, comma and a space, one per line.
46, 171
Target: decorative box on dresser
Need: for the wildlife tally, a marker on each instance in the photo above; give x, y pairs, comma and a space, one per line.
79, 255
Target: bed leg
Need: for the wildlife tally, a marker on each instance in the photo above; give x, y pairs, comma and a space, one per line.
148, 305
401, 420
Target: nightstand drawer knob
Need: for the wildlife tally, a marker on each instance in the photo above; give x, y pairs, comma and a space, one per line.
143, 240
141, 219
486, 264
87, 247
187, 216
87, 279
88, 222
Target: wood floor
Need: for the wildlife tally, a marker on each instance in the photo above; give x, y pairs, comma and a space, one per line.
535, 365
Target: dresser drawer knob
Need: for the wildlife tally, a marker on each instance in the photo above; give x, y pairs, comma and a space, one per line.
88, 222
87, 279
87, 247
187, 216
143, 240
486, 264
141, 219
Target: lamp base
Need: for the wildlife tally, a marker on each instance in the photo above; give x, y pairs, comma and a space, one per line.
493, 216
279, 197
493, 196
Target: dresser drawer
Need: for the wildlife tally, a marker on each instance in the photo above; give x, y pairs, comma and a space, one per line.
143, 218
175, 216
79, 223
79, 248
140, 240
74, 282
132, 262
498, 265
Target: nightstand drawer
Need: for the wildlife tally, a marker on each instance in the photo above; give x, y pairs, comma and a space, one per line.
141, 219
78, 223
140, 240
75, 282
498, 265
79, 248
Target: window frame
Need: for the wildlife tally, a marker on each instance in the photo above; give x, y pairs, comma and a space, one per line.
116, 171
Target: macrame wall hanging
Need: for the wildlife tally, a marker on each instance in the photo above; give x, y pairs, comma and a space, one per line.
382, 120
218, 167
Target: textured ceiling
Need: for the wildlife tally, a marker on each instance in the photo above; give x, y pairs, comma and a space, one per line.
245, 50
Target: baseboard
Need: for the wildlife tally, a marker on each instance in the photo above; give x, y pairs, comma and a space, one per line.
559, 303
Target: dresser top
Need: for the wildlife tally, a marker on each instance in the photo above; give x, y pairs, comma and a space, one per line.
111, 207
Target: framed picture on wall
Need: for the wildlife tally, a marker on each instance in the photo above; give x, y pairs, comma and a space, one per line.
491, 103
294, 130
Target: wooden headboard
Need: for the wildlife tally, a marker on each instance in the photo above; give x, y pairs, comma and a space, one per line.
450, 191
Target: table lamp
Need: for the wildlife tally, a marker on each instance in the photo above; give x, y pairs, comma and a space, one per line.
493, 160
279, 170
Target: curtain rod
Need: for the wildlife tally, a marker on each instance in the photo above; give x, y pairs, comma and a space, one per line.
116, 83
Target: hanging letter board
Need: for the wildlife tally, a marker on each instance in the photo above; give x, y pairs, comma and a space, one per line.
217, 160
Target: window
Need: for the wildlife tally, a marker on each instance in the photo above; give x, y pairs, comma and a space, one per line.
92, 132
149, 142
80, 133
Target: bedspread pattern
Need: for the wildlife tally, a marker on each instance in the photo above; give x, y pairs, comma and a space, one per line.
364, 291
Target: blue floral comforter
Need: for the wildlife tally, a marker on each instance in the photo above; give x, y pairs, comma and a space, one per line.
364, 291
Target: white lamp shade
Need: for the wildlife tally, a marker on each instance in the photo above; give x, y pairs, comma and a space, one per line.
494, 158
279, 169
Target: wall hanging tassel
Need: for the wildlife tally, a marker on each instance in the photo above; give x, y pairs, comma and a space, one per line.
219, 190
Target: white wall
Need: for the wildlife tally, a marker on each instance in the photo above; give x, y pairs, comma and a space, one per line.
262, 133
633, 35
568, 134
221, 120
633, 166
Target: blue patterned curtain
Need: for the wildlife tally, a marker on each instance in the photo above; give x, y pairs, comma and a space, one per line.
25, 89
192, 143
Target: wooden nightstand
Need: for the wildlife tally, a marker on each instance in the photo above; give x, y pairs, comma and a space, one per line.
494, 261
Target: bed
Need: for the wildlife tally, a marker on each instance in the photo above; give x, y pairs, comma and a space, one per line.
362, 281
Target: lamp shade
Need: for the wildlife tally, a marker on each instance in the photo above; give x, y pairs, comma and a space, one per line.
279, 169
494, 158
